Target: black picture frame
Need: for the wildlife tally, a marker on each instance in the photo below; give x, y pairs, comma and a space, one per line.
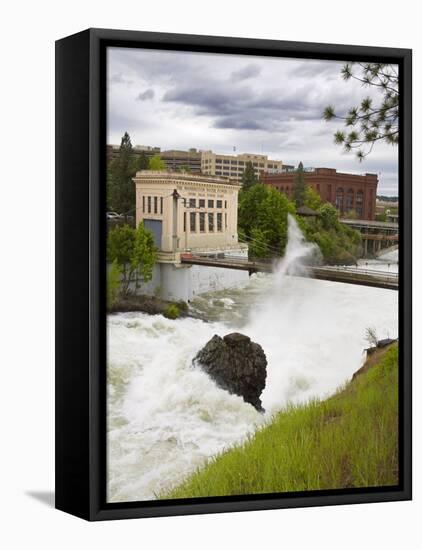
80, 272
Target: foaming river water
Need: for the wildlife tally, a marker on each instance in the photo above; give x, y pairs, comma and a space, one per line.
165, 417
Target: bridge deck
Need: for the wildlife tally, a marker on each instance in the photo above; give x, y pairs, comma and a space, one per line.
372, 224
366, 277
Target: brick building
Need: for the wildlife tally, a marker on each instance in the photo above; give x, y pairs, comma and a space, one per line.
344, 191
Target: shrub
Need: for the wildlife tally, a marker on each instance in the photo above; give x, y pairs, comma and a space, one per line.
182, 306
113, 283
172, 312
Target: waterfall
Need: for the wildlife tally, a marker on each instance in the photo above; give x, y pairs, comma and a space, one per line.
166, 418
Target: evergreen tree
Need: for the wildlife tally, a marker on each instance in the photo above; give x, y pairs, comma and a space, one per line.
121, 188
369, 122
143, 161
299, 186
248, 177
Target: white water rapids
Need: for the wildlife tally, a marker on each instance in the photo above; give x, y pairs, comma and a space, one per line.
166, 418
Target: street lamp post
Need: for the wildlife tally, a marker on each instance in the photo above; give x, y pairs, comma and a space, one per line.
175, 196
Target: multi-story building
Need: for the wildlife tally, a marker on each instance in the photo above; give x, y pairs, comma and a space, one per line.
113, 151
178, 160
233, 166
189, 214
175, 160
202, 216
347, 192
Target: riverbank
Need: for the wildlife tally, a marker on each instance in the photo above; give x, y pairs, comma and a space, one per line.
348, 440
150, 305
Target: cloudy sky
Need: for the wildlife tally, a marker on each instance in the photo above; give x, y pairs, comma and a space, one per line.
271, 106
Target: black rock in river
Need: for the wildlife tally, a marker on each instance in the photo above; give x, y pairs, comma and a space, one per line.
237, 365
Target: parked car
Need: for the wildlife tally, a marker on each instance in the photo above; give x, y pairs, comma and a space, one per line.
113, 216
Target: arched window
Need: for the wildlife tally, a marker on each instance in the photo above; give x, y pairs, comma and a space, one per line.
349, 200
340, 199
359, 203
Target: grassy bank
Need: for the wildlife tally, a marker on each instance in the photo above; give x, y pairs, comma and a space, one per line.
349, 440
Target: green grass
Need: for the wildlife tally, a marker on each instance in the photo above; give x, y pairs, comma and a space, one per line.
349, 440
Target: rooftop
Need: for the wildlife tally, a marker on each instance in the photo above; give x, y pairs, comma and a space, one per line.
186, 177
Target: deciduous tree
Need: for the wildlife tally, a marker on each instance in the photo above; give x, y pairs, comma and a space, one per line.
134, 252
155, 163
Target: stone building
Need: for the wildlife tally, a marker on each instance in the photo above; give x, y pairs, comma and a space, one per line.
190, 213
347, 192
233, 166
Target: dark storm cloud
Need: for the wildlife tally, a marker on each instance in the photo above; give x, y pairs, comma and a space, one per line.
242, 107
249, 71
266, 105
238, 123
148, 94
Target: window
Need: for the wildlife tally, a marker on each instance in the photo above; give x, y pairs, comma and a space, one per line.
349, 199
219, 204
161, 205
225, 204
241, 163
254, 164
155, 205
143, 204
225, 219
359, 204
184, 222
233, 161
210, 203
226, 173
219, 221
149, 205
339, 199
210, 221
193, 222
225, 161
192, 203
202, 222
218, 172
201, 203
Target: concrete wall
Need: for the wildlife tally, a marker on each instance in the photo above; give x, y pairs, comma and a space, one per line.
184, 282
